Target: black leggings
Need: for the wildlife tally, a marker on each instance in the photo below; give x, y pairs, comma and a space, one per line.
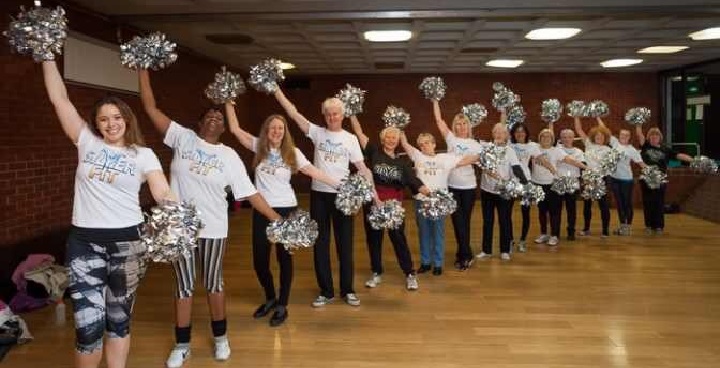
654, 206
374, 240
551, 205
622, 191
604, 214
570, 201
525, 212
261, 257
465, 199
490, 202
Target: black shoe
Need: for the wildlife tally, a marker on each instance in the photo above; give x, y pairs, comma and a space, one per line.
264, 309
280, 315
437, 271
424, 268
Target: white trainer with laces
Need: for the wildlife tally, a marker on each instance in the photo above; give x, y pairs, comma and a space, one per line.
553, 241
222, 348
179, 354
321, 301
483, 255
505, 256
374, 281
411, 282
542, 239
352, 299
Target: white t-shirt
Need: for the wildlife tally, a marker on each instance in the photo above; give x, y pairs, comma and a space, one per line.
199, 173
540, 174
524, 152
594, 153
107, 182
272, 177
434, 171
566, 169
334, 151
630, 153
488, 183
462, 177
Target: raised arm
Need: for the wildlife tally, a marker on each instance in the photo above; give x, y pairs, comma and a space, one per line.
409, 149
245, 138
70, 120
503, 115
357, 129
159, 187
579, 129
640, 135
159, 119
291, 110
441, 124
600, 121
315, 173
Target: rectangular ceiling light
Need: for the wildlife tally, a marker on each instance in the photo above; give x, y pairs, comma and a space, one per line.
552, 33
620, 63
662, 49
387, 36
504, 63
706, 34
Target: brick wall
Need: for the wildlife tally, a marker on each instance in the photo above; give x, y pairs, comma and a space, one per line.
704, 201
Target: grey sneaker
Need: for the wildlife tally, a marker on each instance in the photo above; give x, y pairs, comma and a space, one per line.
505, 256
352, 299
553, 241
584, 233
374, 281
411, 282
522, 246
649, 231
321, 301
658, 231
483, 255
542, 239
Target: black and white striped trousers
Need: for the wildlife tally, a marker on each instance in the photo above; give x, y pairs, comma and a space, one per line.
211, 253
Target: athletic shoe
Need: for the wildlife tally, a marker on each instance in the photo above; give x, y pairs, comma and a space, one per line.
483, 255
352, 299
466, 264
542, 239
658, 231
571, 237
522, 246
321, 301
553, 241
179, 354
424, 268
437, 271
584, 233
279, 317
222, 348
649, 231
411, 282
374, 281
505, 256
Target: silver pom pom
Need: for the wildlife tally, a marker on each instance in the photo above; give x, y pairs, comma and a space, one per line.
171, 231
532, 195
609, 161
565, 185
516, 115
40, 32
433, 88
353, 193
491, 156
265, 76
637, 115
353, 98
390, 216
653, 176
437, 205
151, 52
597, 109
551, 110
503, 97
396, 117
296, 231
510, 188
475, 113
593, 185
704, 165
576, 109
226, 87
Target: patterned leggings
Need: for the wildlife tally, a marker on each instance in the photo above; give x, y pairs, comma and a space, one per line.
105, 268
211, 253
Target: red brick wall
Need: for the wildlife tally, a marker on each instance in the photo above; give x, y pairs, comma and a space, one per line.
704, 201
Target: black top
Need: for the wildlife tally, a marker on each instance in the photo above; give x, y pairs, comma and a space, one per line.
389, 171
658, 156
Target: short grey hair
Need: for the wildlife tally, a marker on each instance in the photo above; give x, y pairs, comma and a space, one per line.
333, 102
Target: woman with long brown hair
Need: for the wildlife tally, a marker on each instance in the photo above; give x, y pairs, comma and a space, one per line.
276, 160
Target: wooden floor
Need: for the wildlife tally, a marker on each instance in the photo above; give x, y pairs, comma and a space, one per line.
637, 301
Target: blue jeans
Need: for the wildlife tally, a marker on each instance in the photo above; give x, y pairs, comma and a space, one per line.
432, 239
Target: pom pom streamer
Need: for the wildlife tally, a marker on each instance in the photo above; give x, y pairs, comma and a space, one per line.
151, 52
266, 75
389, 216
516, 115
40, 32
565, 185
226, 87
396, 117
503, 97
353, 193
576, 109
510, 188
475, 113
294, 232
433, 88
353, 98
597, 109
437, 205
171, 231
491, 156
653, 176
609, 161
551, 110
532, 195
637, 115
593, 185
704, 165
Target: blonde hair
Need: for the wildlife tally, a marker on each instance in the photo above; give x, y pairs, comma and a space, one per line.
546, 131
387, 131
424, 136
333, 102
287, 146
458, 118
655, 131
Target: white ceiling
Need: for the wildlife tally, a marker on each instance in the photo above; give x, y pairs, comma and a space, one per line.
325, 36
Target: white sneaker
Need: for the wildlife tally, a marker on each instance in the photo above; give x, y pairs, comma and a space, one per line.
222, 348
542, 239
411, 282
483, 255
352, 299
553, 241
505, 256
522, 246
179, 354
321, 301
374, 281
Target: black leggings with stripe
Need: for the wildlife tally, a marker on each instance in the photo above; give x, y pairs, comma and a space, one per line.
211, 253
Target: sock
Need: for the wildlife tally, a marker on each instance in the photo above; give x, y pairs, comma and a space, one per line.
219, 328
182, 335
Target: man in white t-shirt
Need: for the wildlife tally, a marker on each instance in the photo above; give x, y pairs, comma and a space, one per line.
335, 149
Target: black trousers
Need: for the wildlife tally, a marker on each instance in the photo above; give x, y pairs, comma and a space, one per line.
525, 212
622, 191
465, 199
261, 258
550, 205
322, 210
491, 202
604, 213
570, 201
654, 206
374, 240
